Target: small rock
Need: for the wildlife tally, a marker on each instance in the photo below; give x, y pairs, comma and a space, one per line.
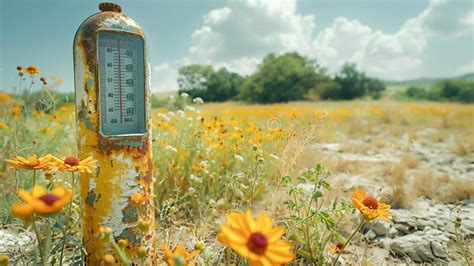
418, 248
423, 223
393, 232
370, 235
438, 250
381, 228
402, 228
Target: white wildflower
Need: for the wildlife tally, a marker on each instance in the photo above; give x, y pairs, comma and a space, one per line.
198, 100
274, 156
189, 108
171, 148
238, 157
239, 175
184, 95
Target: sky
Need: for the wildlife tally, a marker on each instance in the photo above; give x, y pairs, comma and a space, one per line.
391, 39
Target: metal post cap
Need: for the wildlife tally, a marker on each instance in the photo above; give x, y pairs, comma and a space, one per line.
106, 6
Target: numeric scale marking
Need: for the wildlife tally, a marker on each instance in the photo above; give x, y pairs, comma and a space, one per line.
121, 90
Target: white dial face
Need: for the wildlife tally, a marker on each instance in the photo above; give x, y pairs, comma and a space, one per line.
121, 84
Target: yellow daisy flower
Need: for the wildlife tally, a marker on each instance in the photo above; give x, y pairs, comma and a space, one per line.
31, 163
338, 248
369, 206
255, 239
14, 112
74, 164
32, 70
40, 201
178, 256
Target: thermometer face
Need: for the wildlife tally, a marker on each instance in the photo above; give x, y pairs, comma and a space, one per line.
121, 84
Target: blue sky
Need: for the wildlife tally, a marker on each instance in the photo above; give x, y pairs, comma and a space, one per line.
388, 39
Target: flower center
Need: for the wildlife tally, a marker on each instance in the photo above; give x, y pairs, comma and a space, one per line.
339, 246
371, 203
72, 160
49, 198
257, 243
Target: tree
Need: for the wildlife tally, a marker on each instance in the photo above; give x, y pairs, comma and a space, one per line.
374, 88
283, 78
352, 84
203, 81
192, 79
223, 85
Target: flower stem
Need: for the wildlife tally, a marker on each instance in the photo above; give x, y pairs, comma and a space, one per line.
122, 255
34, 178
66, 221
39, 241
362, 223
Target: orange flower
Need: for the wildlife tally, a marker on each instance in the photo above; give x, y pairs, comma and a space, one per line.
32, 163
338, 248
14, 112
198, 168
255, 239
140, 197
74, 164
32, 70
179, 256
40, 201
369, 206
4, 126
4, 98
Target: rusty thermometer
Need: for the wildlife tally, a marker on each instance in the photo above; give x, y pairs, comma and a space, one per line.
112, 87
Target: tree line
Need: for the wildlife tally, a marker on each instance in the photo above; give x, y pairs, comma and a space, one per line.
444, 90
279, 78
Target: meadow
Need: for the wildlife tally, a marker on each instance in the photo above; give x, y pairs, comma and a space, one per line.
298, 164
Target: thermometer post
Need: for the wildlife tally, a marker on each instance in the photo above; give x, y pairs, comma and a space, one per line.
113, 119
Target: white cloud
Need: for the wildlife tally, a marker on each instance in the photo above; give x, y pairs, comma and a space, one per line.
449, 17
165, 77
383, 55
239, 35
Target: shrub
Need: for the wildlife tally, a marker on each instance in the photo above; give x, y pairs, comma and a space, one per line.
282, 78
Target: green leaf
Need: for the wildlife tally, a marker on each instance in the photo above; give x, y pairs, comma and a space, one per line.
317, 194
325, 184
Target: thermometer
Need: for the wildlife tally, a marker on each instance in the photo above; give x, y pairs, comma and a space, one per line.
121, 84
113, 120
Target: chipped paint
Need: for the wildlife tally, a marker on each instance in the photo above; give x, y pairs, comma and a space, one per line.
92, 184
124, 161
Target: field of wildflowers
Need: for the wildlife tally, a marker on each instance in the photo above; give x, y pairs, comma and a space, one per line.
234, 184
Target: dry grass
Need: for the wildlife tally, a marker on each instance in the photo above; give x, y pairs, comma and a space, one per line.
395, 174
464, 146
439, 137
346, 166
411, 161
458, 190
381, 143
300, 138
353, 148
424, 184
399, 197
